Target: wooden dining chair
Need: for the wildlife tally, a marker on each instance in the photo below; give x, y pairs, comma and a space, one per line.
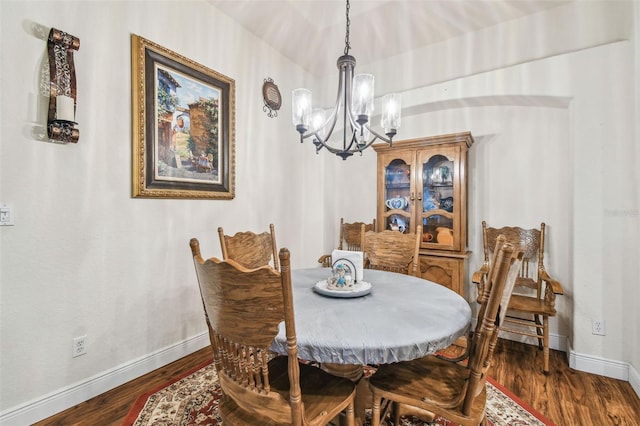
392, 250
431, 386
351, 234
243, 308
350, 238
249, 249
533, 301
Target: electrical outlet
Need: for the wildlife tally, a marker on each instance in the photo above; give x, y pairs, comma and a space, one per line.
79, 346
597, 327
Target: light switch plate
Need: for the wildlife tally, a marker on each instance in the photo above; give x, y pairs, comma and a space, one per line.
6, 215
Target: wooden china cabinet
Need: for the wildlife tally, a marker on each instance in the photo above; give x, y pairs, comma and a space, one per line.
424, 181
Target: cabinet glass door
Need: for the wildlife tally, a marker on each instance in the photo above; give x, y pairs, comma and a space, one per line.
397, 196
437, 178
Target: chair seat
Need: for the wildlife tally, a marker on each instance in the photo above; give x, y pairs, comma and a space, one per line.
324, 396
531, 305
442, 380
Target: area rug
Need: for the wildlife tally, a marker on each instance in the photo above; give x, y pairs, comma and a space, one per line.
192, 400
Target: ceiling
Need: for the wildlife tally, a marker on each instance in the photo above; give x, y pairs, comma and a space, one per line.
311, 33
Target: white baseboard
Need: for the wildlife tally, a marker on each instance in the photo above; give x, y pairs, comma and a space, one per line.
64, 398
556, 341
634, 379
598, 365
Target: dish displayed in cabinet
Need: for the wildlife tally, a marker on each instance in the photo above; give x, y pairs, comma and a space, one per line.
447, 204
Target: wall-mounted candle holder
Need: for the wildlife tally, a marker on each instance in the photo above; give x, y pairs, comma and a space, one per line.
61, 123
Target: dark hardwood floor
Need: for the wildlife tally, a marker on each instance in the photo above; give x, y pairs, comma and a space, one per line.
565, 396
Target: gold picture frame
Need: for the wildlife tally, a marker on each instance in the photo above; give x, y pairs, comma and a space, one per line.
183, 117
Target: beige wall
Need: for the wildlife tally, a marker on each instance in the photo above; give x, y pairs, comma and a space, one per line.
547, 128
554, 123
84, 258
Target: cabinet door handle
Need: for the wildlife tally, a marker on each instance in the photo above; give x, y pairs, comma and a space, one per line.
419, 197
412, 197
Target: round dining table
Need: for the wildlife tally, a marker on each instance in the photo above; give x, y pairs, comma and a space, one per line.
400, 319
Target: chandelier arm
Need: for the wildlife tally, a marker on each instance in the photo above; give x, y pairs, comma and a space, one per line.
337, 150
311, 133
333, 116
345, 113
324, 143
329, 148
332, 149
377, 135
348, 77
349, 113
353, 140
320, 143
363, 147
330, 121
348, 71
352, 119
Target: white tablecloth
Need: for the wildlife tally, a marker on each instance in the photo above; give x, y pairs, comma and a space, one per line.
403, 318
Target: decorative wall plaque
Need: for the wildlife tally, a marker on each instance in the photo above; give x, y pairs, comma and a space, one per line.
272, 98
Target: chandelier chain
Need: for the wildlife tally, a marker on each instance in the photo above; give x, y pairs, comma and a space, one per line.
347, 46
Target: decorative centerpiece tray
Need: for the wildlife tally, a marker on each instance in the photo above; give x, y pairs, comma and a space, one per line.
361, 288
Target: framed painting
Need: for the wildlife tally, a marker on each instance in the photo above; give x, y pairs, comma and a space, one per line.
183, 126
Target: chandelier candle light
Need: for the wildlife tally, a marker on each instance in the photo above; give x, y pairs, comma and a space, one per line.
354, 102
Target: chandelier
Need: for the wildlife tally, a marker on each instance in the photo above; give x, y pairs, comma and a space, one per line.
354, 104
